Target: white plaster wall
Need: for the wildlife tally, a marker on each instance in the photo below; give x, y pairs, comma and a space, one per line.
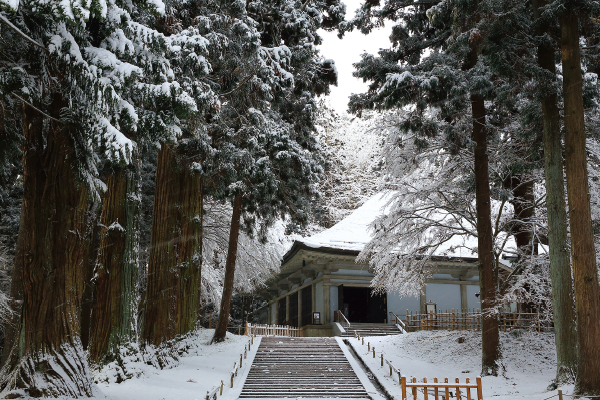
399, 305
333, 300
472, 300
446, 295
319, 299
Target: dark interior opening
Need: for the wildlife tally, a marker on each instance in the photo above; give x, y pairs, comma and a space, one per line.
306, 305
281, 311
359, 305
293, 310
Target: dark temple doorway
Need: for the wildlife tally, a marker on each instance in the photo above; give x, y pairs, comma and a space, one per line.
359, 305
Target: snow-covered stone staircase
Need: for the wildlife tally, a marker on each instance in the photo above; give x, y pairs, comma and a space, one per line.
301, 367
371, 330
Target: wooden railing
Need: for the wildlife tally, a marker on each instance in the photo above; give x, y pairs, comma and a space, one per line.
471, 320
435, 388
274, 330
399, 322
341, 318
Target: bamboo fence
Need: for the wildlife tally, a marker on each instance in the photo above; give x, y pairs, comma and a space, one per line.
470, 319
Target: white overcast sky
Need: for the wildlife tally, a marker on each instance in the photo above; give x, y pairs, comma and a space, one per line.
347, 51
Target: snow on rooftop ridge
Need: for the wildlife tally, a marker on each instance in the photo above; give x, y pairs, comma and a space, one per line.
353, 232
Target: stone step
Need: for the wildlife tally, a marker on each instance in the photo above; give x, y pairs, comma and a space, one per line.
301, 367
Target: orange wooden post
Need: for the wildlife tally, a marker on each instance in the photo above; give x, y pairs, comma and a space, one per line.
457, 389
414, 389
425, 388
447, 390
468, 390
403, 382
435, 390
479, 391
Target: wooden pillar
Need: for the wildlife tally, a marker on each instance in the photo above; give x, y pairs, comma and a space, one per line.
299, 308
463, 297
326, 302
287, 308
314, 298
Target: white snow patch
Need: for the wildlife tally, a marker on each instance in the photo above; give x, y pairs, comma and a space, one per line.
529, 359
199, 369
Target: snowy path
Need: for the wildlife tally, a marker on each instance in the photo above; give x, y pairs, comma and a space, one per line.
302, 367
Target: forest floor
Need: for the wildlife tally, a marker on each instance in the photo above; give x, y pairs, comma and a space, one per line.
529, 362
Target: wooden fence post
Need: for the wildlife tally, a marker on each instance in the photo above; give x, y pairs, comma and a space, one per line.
414, 389
447, 390
221, 392
382, 359
373, 351
560, 395
403, 382
435, 380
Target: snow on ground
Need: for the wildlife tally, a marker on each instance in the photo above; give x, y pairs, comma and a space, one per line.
529, 361
199, 369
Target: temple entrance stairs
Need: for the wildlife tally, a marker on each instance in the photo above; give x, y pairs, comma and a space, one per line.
364, 329
301, 367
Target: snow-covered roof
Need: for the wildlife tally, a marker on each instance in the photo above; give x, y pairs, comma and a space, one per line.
353, 232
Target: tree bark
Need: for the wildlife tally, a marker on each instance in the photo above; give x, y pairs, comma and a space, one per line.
585, 273
88, 291
563, 305
115, 280
234, 234
524, 211
172, 297
55, 242
490, 339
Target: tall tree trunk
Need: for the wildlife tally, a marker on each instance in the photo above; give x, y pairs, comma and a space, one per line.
563, 305
234, 234
585, 274
88, 291
172, 297
115, 280
55, 240
33, 150
490, 339
524, 211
